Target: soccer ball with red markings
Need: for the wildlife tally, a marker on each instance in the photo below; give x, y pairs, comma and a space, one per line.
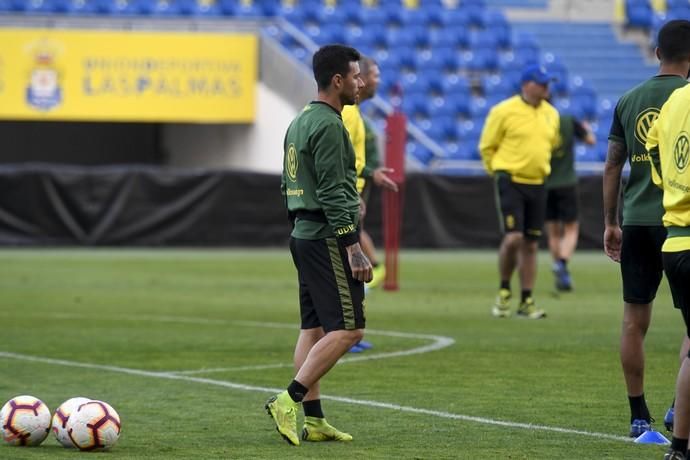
60, 417
93, 425
24, 421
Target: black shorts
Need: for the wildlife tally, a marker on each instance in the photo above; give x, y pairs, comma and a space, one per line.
677, 267
520, 206
328, 295
561, 204
641, 262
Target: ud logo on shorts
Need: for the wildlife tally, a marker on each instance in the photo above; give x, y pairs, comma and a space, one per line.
291, 163
510, 221
681, 151
644, 122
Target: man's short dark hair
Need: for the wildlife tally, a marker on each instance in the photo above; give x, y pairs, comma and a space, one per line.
674, 40
330, 60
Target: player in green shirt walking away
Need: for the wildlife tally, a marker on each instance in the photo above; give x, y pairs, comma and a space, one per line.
319, 186
637, 246
562, 226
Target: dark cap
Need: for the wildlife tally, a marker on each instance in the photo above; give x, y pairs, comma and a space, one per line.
537, 74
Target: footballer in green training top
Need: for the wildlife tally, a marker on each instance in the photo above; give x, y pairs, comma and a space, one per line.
319, 183
637, 246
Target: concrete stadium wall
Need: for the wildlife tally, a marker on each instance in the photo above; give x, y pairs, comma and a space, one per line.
257, 147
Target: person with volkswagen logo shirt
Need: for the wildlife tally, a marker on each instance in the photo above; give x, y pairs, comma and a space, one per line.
637, 244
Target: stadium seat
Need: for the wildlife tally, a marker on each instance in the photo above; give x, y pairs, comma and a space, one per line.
455, 19
330, 34
455, 107
419, 152
497, 84
480, 60
353, 15
449, 38
373, 18
475, 13
479, 107
435, 17
638, 13
558, 71
199, 7
395, 17
375, 37
407, 59
417, 86
416, 104
483, 39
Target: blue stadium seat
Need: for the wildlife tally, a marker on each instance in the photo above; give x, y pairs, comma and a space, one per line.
558, 71
373, 18
117, 7
419, 152
497, 84
475, 13
455, 107
585, 96
480, 60
291, 13
435, 17
479, 107
199, 8
331, 33
605, 109
456, 84
680, 11
450, 38
353, 15
399, 39
456, 19
483, 39
638, 13
445, 59
435, 81
270, 7
672, 4
472, 129
375, 37
464, 150
407, 58
418, 86
395, 17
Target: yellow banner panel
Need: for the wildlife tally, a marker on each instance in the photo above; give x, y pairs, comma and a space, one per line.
89, 75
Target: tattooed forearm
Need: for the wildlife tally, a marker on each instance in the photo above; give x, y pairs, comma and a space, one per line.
615, 160
616, 154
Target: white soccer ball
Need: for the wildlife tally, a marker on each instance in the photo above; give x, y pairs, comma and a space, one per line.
60, 417
24, 421
93, 425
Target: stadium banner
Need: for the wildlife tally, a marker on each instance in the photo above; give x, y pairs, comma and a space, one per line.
94, 75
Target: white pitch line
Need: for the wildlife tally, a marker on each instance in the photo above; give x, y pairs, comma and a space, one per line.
361, 402
438, 342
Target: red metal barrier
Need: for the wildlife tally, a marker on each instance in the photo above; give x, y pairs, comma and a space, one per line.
396, 139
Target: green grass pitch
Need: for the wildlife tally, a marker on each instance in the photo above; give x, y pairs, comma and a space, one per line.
187, 345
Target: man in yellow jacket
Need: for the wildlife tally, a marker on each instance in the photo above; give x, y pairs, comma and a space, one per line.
516, 144
668, 143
